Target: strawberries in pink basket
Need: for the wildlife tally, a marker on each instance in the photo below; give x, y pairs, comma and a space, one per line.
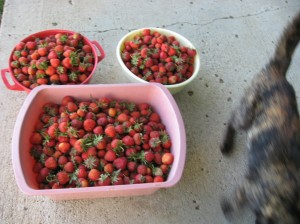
99, 142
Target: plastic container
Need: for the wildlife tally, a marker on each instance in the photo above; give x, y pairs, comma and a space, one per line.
154, 94
14, 84
175, 88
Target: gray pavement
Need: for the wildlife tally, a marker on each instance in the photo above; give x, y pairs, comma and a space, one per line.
234, 39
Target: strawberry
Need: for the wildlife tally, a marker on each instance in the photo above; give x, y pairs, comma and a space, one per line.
139, 178
154, 142
69, 167
166, 142
149, 179
122, 117
120, 163
128, 140
51, 163
104, 180
87, 48
148, 62
158, 179
109, 168
149, 156
142, 169
36, 138
167, 158
81, 172
66, 62
89, 124
131, 166
62, 177
94, 174
110, 131
110, 156
82, 182
64, 147
144, 52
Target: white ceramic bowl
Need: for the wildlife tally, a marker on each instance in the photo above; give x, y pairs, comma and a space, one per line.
174, 88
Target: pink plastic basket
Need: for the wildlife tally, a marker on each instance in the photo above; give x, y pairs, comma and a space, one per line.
154, 94
16, 85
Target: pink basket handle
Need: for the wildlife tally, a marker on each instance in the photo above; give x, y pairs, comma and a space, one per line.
6, 82
102, 53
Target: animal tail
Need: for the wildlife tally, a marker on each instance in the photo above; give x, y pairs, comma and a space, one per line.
286, 46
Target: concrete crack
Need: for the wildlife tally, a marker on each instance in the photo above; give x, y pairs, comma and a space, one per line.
231, 17
209, 22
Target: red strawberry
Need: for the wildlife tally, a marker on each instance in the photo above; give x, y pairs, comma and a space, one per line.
149, 179
62, 160
142, 169
149, 156
157, 158
62, 177
167, 158
87, 48
67, 63
69, 167
89, 124
109, 168
120, 163
191, 52
122, 117
110, 131
72, 107
158, 179
44, 172
104, 180
20, 46
148, 62
79, 145
37, 167
82, 182
144, 52
81, 172
51, 163
110, 156
171, 51
94, 174
36, 138
128, 140
154, 142
137, 137
30, 45
130, 152
131, 166
139, 178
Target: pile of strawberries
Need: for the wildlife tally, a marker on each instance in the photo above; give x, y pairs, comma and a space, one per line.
155, 57
56, 59
99, 142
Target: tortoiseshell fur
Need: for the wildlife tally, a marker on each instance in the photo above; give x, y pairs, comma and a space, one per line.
268, 112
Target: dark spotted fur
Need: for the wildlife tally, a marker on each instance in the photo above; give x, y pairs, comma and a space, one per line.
268, 112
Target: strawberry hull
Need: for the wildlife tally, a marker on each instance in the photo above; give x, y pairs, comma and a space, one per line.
154, 94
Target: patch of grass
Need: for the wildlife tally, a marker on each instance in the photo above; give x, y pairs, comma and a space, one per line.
1, 7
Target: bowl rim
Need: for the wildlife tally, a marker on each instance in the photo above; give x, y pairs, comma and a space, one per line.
17, 167
168, 33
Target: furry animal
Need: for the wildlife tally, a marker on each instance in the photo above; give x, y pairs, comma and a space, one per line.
268, 112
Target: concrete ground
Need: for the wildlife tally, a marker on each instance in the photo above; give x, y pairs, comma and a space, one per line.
234, 38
